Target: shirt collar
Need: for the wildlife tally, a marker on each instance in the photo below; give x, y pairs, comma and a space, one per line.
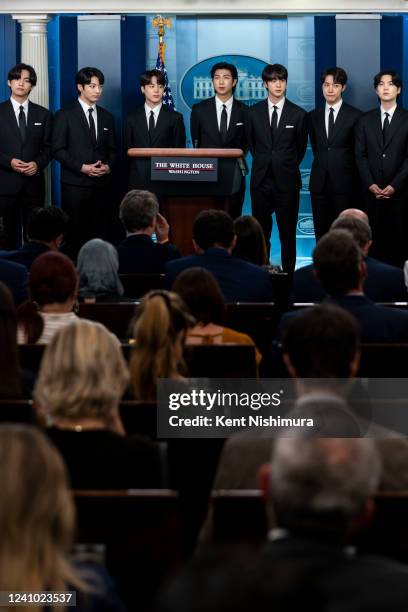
16, 105
219, 103
278, 104
156, 109
86, 106
336, 107
390, 111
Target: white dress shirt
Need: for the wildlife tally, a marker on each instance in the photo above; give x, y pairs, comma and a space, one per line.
390, 112
336, 107
279, 108
156, 110
219, 105
86, 108
16, 108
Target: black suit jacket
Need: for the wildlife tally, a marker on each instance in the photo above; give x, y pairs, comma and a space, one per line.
26, 254
15, 277
334, 158
139, 254
204, 126
384, 283
288, 151
72, 145
378, 162
36, 147
168, 133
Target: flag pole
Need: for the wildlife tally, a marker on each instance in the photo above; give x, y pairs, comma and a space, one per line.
160, 23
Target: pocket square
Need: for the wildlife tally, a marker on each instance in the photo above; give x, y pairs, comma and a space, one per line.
289, 126
37, 123
239, 124
106, 129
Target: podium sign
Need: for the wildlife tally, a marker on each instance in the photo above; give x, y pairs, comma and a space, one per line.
202, 169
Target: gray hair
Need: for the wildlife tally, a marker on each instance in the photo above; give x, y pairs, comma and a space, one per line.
323, 475
360, 230
98, 265
138, 210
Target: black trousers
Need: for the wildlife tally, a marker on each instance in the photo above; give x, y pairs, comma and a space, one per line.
389, 225
90, 213
327, 205
266, 199
15, 210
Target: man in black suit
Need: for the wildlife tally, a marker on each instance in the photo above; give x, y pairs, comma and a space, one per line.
382, 160
84, 144
219, 122
320, 492
334, 183
152, 125
384, 283
139, 213
277, 134
214, 240
25, 145
45, 232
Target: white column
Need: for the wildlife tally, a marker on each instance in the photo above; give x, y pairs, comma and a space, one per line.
34, 51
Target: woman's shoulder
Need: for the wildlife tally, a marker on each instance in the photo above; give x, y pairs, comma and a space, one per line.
231, 335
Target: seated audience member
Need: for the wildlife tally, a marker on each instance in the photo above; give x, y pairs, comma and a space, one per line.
214, 240
384, 283
320, 492
341, 270
159, 331
46, 228
11, 379
15, 277
138, 253
82, 378
200, 292
98, 272
250, 244
53, 292
37, 522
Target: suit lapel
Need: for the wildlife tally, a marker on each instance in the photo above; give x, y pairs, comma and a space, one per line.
141, 126
377, 128
12, 121
321, 125
213, 121
339, 119
233, 120
83, 121
161, 123
284, 119
393, 126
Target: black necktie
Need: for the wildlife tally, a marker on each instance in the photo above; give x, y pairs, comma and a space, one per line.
92, 128
22, 124
274, 123
331, 123
224, 124
386, 126
151, 125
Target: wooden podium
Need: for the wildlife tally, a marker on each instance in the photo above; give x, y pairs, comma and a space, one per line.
183, 196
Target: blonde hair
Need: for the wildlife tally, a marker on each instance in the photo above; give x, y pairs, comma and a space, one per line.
37, 513
83, 372
157, 329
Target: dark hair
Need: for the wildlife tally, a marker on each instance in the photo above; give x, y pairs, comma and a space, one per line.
213, 227
321, 342
274, 71
138, 210
396, 79
201, 293
84, 76
339, 75
147, 76
360, 230
46, 224
15, 73
225, 66
10, 379
250, 244
337, 259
